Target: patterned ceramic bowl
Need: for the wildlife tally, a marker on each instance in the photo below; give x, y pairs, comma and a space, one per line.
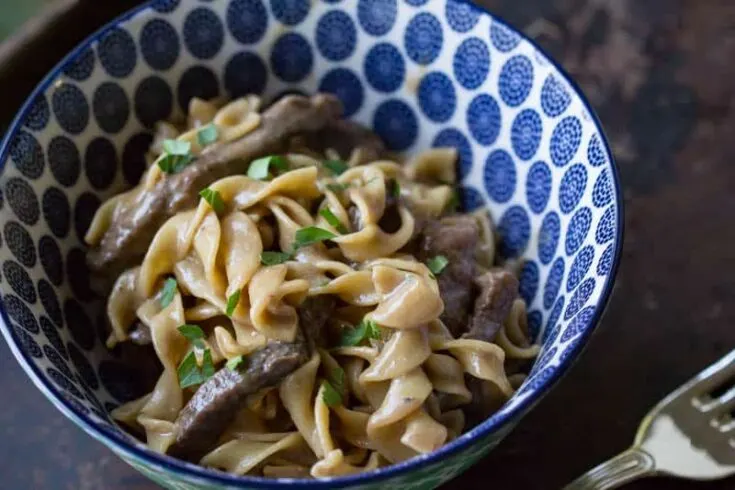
419, 73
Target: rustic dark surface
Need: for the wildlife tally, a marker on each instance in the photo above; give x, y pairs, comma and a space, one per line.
660, 73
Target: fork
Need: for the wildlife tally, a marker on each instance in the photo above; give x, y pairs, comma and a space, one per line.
689, 434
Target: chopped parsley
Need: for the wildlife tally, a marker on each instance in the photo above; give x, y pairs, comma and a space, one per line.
233, 363
191, 374
454, 201
176, 156
168, 292
337, 167
334, 388
214, 199
311, 235
328, 215
261, 168
207, 135
274, 258
232, 302
193, 334
337, 187
394, 188
437, 264
365, 330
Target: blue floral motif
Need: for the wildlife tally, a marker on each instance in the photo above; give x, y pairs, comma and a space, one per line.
453, 138
437, 97
500, 176
471, 63
538, 187
525, 134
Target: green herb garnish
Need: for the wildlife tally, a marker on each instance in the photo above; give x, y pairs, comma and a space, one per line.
338, 187
190, 374
260, 169
232, 301
337, 167
207, 135
311, 235
454, 201
337, 379
274, 258
331, 396
176, 155
394, 188
214, 199
168, 292
328, 215
193, 334
233, 363
437, 264
365, 330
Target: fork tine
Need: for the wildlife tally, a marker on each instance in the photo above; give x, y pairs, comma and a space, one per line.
718, 405
712, 377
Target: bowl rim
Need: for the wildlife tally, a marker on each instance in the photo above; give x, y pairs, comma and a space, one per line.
122, 446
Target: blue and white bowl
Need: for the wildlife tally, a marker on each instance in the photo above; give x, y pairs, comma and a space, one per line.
419, 73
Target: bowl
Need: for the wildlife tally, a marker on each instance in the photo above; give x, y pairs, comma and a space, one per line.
419, 73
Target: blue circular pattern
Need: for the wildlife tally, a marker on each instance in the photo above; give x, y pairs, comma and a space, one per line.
377, 16
66, 386
579, 324
423, 38
197, 81
503, 38
529, 281
384, 67
572, 188
525, 134
111, 107
51, 259
27, 154
605, 263
70, 108
565, 140
52, 334
602, 193
535, 318
453, 138
543, 360
20, 243
395, 122
20, 314
38, 115
606, 226
291, 58
247, 20
484, 119
245, 74
514, 230
153, 101
165, 6
579, 226
203, 33
345, 85
64, 160
548, 238
555, 98
82, 366
57, 360
159, 44
437, 97
28, 344
579, 298
117, 52
595, 152
580, 267
471, 199
471, 63
50, 302
336, 36
56, 211
552, 328
82, 66
77, 272
20, 281
461, 16
538, 186
516, 80
79, 325
133, 157
553, 282
290, 12
500, 176
22, 200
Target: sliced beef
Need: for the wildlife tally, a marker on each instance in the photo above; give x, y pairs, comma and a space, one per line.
143, 368
141, 215
498, 289
313, 315
456, 238
216, 402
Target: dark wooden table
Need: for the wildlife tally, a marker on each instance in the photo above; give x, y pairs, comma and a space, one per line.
661, 75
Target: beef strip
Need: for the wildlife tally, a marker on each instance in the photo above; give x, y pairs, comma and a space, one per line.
216, 402
498, 289
141, 215
456, 238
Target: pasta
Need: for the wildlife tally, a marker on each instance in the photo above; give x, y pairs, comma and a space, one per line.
318, 314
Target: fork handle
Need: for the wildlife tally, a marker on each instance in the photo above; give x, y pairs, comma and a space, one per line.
630, 465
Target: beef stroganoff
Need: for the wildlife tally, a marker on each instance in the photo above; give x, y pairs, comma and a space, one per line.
317, 307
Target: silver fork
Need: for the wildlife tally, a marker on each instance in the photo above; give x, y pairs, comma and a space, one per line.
689, 434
